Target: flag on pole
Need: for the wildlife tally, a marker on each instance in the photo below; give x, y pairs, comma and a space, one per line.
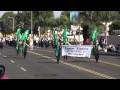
94, 34
55, 36
65, 34
18, 32
25, 35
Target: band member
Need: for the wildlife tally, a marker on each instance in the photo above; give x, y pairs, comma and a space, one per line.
57, 51
96, 50
1, 43
24, 49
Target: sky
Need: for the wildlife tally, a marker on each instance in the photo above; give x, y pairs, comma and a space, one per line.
56, 13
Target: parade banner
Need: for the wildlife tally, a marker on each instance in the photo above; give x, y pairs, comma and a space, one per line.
77, 50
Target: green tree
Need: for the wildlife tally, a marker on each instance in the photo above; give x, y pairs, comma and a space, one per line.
65, 18
114, 26
8, 22
106, 16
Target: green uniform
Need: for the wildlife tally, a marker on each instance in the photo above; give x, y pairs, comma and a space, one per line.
57, 52
95, 49
96, 52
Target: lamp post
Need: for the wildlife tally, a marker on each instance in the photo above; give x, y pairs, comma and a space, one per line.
13, 21
31, 23
31, 41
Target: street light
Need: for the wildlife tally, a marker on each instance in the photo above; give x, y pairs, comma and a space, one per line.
13, 21
31, 41
31, 23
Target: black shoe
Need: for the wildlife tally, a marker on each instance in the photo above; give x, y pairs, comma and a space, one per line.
57, 62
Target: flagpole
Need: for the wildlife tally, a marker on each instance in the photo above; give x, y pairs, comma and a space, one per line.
32, 29
90, 27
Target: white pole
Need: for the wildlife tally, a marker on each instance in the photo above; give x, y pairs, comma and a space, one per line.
31, 43
31, 23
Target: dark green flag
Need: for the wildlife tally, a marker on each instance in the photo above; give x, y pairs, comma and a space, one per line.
94, 34
25, 35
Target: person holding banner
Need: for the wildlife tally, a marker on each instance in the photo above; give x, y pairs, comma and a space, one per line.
65, 43
96, 50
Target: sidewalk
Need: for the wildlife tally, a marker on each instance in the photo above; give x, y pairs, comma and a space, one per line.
109, 53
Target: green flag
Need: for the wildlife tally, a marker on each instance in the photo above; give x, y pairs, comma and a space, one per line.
94, 34
18, 37
65, 32
18, 32
55, 36
25, 35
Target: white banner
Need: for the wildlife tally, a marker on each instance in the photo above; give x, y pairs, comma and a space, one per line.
77, 50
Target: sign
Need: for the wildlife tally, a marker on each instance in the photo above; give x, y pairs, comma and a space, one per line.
77, 50
74, 32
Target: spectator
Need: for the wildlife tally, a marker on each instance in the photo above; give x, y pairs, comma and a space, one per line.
102, 42
96, 50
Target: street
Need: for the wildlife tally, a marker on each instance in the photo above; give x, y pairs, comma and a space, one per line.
40, 63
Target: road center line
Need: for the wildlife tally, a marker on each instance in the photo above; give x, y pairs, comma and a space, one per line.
23, 69
12, 61
77, 67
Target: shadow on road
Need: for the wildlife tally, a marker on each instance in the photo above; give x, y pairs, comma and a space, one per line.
45, 75
47, 62
41, 58
13, 56
78, 61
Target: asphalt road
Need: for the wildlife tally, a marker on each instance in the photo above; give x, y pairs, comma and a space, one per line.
41, 64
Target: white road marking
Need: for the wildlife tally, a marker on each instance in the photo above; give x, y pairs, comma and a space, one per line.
23, 69
12, 61
5, 56
0, 53
17, 65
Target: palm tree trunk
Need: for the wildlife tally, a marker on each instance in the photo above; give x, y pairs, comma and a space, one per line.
105, 34
91, 24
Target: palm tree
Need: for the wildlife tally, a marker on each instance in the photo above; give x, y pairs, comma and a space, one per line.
106, 16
